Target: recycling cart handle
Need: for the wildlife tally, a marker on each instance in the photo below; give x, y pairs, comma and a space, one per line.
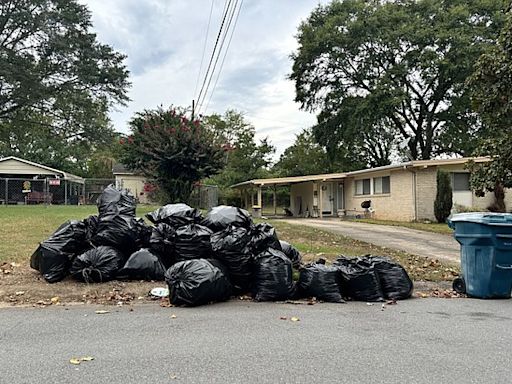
500, 266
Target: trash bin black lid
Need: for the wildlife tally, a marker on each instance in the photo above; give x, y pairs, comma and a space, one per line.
487, 218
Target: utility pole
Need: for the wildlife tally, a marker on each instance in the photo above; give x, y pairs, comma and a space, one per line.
193, 107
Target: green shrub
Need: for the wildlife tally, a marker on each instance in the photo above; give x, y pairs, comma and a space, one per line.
443, 203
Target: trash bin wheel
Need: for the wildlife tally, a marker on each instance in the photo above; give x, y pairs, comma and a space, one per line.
459, 285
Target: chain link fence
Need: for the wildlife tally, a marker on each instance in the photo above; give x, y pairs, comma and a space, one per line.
204, 197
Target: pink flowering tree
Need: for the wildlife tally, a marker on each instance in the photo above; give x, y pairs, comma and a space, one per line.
173, 151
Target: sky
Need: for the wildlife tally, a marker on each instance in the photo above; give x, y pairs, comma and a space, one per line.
164, 41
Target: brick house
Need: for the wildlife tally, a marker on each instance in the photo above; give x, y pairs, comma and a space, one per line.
404, 192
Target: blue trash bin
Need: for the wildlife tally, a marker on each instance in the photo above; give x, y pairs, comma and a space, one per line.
485, 253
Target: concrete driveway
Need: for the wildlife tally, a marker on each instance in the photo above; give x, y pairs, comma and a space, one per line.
415, 341
421, 243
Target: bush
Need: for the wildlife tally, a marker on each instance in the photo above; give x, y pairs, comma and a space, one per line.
443, 203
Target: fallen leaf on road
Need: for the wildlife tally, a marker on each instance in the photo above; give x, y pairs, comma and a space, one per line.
173, 316
101, 312
294, 319
283, 318
55, 300
19, 293
74, 361
173, 377
369, 304
87, 358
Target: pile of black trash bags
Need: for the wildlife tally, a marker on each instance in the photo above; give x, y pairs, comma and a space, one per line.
206, 259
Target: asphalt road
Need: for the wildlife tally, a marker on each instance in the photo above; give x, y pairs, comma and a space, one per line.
415, 341
421, 243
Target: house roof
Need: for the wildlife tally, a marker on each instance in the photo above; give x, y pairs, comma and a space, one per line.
48, 170
120, 169
339, 176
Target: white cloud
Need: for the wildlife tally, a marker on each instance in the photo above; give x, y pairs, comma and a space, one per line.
164, 43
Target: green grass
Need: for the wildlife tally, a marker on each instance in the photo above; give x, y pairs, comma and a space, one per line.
428, 227
22, 228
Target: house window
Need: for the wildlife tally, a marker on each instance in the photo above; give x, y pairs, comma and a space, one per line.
381, 185
460, 181
363, 187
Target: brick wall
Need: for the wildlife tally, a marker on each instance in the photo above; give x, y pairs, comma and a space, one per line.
426, 189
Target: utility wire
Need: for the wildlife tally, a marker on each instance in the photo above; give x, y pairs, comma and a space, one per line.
214, 49
204, 47
223, 39
225, 54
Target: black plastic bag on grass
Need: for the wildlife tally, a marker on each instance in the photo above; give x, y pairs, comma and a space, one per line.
359, 282
162, 242
175, 215
52, 257
193, 242
273, 276
197, 282
292, 253
142, 265
394, 280
113, 199
97, 265
231, 247
321, 281
223, 216
264, 236
118, 231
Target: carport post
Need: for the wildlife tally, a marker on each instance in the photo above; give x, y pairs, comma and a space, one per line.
6, 191
65, 192
274, 200
246, 199
320, 197
260, 204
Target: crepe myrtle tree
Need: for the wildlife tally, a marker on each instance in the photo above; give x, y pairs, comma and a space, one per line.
174, 151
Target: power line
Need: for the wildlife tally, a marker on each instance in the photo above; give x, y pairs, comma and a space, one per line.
214, 49
225, 54
204, 47
226, 31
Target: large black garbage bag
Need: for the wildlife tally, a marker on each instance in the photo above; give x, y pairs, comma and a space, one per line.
273, 279
118, 231
143, 233
116, 200
222, 216
193, 242
394, 280
142, 265
197, 282
231, 247
162, 242
291, 252
359, 282
97, 265
264, 236
91, 225
52, 257
321, 281
175, 215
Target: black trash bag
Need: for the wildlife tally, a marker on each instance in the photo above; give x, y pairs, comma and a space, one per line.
219, 218
359, 282
142, 265
231, 247
97, 265
162, 242
273, 276
197, 282
118, 231
52, 257
292, 253
116, 200
264, 236
193, 242
175, 215
143, 232
394, 280
321, 281
91, 225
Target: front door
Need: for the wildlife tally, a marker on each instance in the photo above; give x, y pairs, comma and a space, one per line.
327, 199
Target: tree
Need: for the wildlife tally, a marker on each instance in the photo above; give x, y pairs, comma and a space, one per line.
304, 157
491, 85
443, 202
404, 61
173, 151
57, 82
244, 158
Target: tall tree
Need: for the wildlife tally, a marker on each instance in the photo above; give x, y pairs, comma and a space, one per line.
57, 82
304, 157
407, 60
491, 85
173, 151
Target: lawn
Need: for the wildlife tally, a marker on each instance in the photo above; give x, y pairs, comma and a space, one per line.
428, 227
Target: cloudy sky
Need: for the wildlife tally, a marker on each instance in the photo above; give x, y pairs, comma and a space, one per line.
164, 42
